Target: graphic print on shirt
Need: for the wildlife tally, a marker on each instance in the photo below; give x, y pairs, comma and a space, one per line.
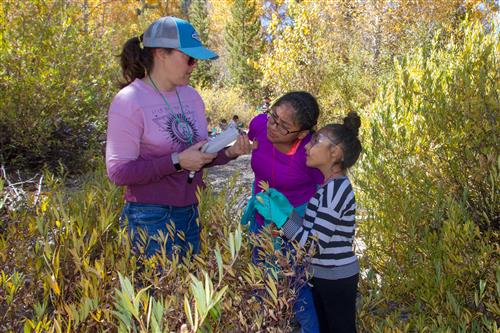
178, 129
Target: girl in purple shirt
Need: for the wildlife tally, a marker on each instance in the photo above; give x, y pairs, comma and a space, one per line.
279, 157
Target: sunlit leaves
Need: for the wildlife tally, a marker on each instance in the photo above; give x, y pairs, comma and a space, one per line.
427, 199
296, 49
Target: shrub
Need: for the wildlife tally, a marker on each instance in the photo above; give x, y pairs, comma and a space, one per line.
298, 47
72, 270
429, 183
223, 103
348, 85
55, 86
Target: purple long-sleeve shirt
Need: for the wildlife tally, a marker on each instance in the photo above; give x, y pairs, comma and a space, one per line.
288, 173
143, 132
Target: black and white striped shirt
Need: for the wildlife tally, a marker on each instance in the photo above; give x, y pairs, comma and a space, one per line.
328, 224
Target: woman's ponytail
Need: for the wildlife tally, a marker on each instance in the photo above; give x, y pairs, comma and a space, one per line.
136, 60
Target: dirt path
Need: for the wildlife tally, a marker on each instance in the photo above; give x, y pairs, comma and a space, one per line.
219, 175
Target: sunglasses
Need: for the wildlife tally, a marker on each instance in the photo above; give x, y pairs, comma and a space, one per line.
191, 61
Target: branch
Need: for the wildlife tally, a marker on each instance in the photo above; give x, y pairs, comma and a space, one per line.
38, 191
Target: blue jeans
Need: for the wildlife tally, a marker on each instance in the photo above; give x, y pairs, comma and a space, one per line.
151, 227
303, 309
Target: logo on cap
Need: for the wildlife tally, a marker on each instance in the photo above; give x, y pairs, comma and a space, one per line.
195, 36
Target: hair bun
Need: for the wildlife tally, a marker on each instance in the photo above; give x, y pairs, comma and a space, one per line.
352, 122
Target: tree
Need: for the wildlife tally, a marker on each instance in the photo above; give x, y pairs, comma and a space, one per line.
392, 28
244, 45
298, 48
203, 75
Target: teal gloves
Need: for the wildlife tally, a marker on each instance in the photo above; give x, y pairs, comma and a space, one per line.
274, 206
249, 214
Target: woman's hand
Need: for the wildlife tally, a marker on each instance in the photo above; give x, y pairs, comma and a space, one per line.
193, 159
242, 146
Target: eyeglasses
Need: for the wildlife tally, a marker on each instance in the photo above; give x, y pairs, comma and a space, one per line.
318, 137
273, 119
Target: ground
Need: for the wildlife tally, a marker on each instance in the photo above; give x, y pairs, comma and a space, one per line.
218, 175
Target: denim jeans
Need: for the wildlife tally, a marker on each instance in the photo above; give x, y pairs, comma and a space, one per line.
303, 309
149, 224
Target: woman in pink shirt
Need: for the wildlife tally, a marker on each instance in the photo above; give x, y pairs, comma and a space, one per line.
156, 127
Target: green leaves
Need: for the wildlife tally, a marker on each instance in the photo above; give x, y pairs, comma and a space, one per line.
203, 75
137, 312
244, 44
206, 302
57, 78
428, 198
10, 285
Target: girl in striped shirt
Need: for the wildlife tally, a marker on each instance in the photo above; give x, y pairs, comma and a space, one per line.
328, 224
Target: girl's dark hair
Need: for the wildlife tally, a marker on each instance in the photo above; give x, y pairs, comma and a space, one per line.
346, 134
305, 105
135, 61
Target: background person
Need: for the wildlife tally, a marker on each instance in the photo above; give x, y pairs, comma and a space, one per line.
209, 124
222, 125
266, 103
156, 127
328, 224
280, 159
235, 122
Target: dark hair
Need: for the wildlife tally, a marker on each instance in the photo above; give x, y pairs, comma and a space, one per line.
346, 134
305, 105
236, 117
136, 61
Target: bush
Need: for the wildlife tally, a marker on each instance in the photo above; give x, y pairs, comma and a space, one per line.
348, 85
429, 182
73, 271
55, 86
224, 103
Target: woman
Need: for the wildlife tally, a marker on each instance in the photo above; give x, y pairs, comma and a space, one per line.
156, 127
279, 158
328, 225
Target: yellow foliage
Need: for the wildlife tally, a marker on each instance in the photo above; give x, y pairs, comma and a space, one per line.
219, 12
223, 103
295, 59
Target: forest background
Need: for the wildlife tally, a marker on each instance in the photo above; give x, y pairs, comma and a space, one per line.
424, 75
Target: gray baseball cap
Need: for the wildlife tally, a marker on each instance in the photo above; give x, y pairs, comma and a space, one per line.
175, 33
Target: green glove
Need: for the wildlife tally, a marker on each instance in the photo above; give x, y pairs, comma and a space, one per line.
248, 215
274, 206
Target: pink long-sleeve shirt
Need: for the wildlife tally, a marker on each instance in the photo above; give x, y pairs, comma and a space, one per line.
142, 135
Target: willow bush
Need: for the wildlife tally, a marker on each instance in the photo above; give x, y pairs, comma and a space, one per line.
429, 182
56, 84
67, 266
224, 103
